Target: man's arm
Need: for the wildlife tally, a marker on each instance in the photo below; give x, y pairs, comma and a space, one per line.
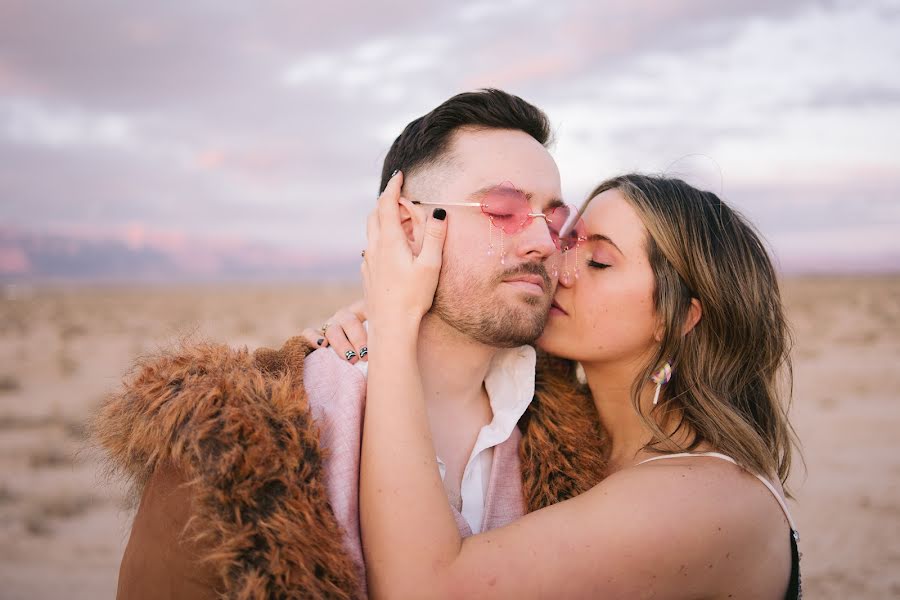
160, 561
238, 428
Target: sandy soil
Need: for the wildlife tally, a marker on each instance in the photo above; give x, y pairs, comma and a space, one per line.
63, 526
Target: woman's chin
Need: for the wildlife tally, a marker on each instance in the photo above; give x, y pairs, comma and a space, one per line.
552, 342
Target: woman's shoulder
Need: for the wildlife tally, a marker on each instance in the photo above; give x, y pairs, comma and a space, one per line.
702, 515
698, 487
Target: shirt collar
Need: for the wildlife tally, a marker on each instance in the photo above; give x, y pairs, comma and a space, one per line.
509, 383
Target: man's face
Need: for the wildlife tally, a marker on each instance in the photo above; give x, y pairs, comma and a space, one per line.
495, 287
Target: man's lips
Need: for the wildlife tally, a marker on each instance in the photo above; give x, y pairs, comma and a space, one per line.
532, 283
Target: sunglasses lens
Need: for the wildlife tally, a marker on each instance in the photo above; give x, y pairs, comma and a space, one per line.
565, 234
569, 233
507, 208
557, 218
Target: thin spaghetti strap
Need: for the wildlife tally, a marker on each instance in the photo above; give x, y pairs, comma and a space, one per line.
765, 481
689, 454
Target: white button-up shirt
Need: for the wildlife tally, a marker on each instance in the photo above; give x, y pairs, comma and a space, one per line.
510, 388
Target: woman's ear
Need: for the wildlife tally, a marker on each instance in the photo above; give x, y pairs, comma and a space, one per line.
413, 225
695, 311
693, 316
660, 331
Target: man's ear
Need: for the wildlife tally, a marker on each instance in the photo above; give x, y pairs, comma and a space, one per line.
693, 316
413, 225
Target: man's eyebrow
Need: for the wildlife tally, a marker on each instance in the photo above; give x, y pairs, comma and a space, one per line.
599, 237
554, 203
484, 191
551, 204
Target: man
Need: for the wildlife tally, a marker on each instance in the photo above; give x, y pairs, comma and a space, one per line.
248, 467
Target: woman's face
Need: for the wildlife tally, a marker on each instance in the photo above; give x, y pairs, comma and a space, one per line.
606, 314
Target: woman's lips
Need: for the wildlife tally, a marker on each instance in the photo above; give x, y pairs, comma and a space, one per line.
557, 309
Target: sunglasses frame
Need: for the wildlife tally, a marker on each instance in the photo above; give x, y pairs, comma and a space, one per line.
529, 217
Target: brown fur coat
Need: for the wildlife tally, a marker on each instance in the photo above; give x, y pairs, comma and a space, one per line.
236, 430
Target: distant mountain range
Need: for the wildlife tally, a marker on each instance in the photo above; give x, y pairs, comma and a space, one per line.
134, 254
137, 255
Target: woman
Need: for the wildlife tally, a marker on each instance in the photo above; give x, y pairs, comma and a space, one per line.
671, 305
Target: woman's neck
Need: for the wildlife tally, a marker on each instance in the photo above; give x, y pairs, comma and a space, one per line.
611, 386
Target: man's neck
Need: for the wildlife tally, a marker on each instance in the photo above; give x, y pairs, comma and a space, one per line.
453, 368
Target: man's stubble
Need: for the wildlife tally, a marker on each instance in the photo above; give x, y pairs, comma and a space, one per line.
477, 309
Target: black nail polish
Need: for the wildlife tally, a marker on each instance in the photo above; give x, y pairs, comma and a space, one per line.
440, 214
319, 341
363, 351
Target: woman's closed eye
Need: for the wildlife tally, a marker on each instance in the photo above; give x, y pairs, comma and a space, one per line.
596, 264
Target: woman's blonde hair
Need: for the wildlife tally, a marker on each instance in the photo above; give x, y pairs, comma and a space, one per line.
732, 379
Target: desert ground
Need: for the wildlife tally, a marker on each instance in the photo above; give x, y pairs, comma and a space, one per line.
63, 525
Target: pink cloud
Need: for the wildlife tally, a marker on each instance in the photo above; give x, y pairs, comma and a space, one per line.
511, 75
210, 159
14, 82
13, 261
261, 162
194, 253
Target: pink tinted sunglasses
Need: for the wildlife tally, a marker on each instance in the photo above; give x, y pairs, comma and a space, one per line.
508, 209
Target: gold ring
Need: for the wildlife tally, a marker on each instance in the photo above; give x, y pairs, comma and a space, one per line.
325, 327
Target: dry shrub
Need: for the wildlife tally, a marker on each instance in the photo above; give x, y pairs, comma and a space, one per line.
9, 383
17, 422
245, 327
50, 457
68, 331
39, 519
71, 426
77, 430
7, 496
68, 366
37, 524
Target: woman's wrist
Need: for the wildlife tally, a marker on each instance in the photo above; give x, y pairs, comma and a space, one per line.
396, 328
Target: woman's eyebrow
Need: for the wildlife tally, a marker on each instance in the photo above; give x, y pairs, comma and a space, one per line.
599, 237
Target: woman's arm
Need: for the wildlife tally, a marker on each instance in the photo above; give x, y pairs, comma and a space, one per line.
397, 451
664, 530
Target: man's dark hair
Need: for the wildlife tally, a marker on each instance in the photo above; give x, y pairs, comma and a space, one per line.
425, 140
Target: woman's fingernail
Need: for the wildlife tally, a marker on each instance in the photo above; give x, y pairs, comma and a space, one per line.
363, 351
349, 354
440, 214
319, 341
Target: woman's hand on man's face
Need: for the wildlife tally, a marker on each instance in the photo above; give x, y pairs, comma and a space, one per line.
402, 284
399, 285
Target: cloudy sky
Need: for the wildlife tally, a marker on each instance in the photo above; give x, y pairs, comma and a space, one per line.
266, 122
